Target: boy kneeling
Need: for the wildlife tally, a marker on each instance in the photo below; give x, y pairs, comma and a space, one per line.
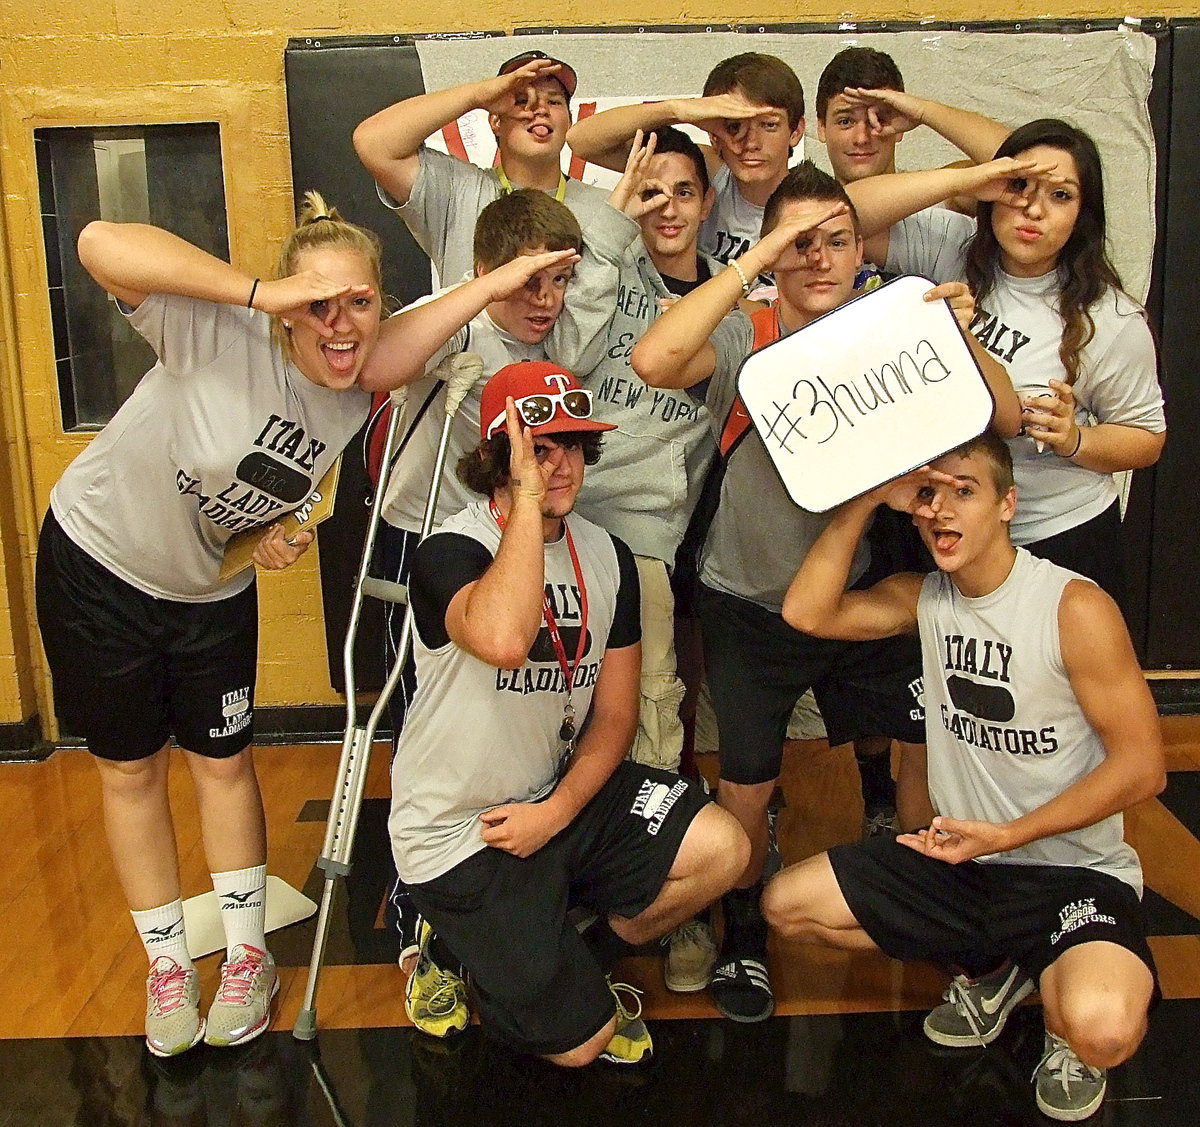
1041, 731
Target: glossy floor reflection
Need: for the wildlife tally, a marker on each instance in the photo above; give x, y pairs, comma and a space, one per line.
828, 1071
846, 1050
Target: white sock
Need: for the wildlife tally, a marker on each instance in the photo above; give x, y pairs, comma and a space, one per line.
242, 898
162, 933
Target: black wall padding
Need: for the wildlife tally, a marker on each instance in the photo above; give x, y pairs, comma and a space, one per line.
1173, 621
330, 89
333, 84
1138, 526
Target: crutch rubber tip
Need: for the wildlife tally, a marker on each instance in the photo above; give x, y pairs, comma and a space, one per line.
305, 1028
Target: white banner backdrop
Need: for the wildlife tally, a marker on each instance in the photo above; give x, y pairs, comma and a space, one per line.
1099, 81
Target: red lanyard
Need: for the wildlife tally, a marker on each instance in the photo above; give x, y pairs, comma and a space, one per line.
567, 731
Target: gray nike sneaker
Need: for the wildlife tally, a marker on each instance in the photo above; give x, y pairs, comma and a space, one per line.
1066, 1088
975, 1011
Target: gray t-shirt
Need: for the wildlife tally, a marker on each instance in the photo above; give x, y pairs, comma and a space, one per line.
446, 199
734, 224
1020, 325
412, 476
477, 737
649, 476
759, 536
576, 342
1006, 732
221, 435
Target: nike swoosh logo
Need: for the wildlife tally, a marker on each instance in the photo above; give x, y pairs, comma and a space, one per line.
992, 1004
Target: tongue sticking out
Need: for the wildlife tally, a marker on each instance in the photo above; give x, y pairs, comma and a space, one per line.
340, 357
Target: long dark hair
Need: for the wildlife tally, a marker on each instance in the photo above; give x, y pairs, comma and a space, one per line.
1084, 270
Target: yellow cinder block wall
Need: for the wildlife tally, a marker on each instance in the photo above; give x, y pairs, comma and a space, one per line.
113, 62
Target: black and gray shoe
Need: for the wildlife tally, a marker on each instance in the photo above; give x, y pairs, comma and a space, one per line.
741, 985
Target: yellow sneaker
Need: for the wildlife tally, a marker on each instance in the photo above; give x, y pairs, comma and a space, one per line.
435, 1000
631, 1042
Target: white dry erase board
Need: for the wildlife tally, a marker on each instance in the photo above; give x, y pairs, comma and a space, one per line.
881, 385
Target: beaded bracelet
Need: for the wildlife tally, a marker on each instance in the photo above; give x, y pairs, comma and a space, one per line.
747, 288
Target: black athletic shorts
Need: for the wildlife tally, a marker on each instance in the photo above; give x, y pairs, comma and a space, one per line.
505, 918
130, 671
1094, 549
917, 907
758, 667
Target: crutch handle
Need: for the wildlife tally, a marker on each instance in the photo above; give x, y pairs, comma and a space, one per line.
466, 370
384, 589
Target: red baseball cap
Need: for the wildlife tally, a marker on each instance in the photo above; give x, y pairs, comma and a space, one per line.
565, 73
549, 400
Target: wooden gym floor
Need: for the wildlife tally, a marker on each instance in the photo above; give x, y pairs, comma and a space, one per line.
73, 968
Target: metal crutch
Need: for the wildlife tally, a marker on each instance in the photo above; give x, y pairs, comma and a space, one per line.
461, 372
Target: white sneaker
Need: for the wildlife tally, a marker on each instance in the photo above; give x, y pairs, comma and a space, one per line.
173, 1022
242, 1007
691, 956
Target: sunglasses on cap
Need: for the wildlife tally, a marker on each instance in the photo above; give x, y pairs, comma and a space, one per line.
535, 410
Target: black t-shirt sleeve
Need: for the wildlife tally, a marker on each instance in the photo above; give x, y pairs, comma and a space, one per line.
627, 621
442, 566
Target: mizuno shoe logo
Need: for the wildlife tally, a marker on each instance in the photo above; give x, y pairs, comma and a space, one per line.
241, 899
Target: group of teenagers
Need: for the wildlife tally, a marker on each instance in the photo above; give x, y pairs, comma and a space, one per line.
609, 494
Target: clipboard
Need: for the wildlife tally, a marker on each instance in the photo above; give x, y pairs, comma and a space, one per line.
315, 508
